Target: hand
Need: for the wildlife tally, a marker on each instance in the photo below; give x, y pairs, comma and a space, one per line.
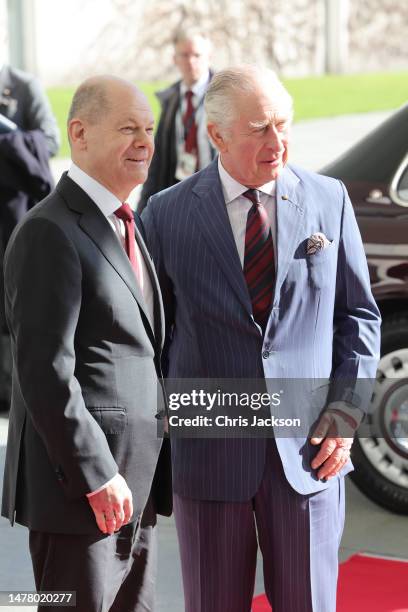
112, 506
335, 450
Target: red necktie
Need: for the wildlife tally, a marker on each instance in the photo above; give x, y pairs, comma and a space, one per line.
126, 214
190, 126
259, 265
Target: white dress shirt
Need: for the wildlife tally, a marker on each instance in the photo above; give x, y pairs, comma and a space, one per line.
238, 207
204, 149
107, 204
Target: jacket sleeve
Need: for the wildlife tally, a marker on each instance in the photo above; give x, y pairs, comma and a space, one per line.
24, 163
43, 286
39, 115
357, 321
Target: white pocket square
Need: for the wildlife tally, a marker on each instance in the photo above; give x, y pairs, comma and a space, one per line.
317, 242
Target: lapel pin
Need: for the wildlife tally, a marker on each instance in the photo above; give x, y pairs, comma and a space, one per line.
285, 197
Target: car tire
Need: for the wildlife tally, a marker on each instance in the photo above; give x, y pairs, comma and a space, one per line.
381, 461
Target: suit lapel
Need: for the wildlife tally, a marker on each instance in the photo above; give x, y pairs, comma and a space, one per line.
97, 227
289, 215
158, 310
212, 217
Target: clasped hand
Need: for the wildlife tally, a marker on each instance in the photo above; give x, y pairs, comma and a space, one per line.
335, 433
112, 506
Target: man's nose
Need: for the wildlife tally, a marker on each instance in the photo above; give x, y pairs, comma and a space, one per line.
275, 140
142, 140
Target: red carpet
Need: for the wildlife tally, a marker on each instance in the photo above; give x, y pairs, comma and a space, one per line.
366, 584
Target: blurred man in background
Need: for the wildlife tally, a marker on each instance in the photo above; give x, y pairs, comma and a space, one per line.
28, 137
181, 144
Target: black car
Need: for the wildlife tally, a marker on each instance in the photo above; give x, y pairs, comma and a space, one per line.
375, 172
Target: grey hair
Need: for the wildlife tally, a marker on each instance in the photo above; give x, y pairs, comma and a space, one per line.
90, 101
227, 84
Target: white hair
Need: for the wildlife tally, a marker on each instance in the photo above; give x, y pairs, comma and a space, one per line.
226, 86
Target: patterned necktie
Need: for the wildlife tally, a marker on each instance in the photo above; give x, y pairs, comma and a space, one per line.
126, 214
190, 127
259, 265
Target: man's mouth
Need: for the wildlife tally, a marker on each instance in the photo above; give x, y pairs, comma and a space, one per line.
272, 162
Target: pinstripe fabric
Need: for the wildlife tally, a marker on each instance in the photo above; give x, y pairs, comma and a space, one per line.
191, 458
218, 572
298, 536
323, 321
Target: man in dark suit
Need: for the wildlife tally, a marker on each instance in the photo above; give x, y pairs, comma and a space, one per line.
23, 101
182, 145
264, 277
85, 316
25, 177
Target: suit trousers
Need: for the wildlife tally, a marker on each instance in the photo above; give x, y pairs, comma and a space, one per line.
113, 573
299, 537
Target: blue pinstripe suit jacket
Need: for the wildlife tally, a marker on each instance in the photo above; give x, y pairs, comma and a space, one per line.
323, 323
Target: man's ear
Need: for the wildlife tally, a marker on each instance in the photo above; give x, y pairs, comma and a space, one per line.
77, 134
217, 137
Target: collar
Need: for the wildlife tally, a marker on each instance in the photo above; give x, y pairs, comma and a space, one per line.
103, 198
199, 88
232, 189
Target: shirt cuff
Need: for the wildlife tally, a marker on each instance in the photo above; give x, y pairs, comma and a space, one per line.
101, 488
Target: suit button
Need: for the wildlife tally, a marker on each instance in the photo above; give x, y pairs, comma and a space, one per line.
160, 415
265, 354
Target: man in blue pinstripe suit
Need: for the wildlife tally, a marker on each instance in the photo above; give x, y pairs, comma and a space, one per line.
264, 276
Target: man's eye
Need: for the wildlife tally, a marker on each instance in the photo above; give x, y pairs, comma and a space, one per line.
281, 126
127, 129
150, 130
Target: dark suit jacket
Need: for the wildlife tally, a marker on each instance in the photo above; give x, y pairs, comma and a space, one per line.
24, 153
25, 176
164, 163
324, 323
86, 367
22, 100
